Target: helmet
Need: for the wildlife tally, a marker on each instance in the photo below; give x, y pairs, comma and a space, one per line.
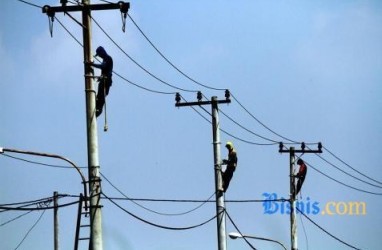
229, 145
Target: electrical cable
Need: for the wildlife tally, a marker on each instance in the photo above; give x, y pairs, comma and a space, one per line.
33, 202
325, 231
250, 131
63, 26
262, 124
167, 60
31, 4
114, 72
153, 211
339, 169
346, 185
229, 134
33, 226
38, 163
238, 230
157, 225
351, 166
138, 64
16, 218
306, 236
6, 208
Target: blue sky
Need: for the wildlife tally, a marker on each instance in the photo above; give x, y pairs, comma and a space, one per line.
308, 70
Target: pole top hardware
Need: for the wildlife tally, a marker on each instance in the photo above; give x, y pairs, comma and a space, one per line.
302, 150
199, 97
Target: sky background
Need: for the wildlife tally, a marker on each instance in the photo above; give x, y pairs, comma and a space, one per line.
308, 70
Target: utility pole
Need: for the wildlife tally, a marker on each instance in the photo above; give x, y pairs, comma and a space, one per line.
292, 200
220, 206
85, 7
55, 220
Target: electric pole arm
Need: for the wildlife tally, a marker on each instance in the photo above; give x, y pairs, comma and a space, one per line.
123, 6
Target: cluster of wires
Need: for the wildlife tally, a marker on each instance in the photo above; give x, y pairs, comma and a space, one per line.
356, 175
27, 207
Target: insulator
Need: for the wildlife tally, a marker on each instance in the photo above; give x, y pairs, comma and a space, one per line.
177, 97
320, 146
281, 146
199, 96
124, 7
227, 94
303, 145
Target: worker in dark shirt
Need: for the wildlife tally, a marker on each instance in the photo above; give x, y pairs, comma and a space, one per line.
105, 80
231, 163
300, 175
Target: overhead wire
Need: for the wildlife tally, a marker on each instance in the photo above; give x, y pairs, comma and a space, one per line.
29, 3
7, 208
305, 234
38, 163
346, 164
155, 224
30, 230
153, 211
16, 218
114, 72
325, 231
166, 59
246, 129
348, 174
238, 230
340, 182
224, 131
200, 84
138, 64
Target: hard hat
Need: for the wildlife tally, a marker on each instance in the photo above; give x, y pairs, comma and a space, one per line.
229, 144
300, 161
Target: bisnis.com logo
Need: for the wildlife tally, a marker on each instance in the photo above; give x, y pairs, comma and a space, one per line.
273, 205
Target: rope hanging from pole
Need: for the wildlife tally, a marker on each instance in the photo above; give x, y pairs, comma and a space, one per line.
105, 127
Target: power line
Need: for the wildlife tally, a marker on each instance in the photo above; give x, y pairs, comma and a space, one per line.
238, 230
331, 164
16, 218
167, 60
31, 4
33, 226
157, 225
246, 129
114, 72
262, 124
7, 208
346, 185
153, 211
38, 163
138, 64
228, 133
351, 166
325, 231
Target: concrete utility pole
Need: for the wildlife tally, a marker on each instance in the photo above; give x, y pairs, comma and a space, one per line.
91, 123
292, 199
220, 206
55, 220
